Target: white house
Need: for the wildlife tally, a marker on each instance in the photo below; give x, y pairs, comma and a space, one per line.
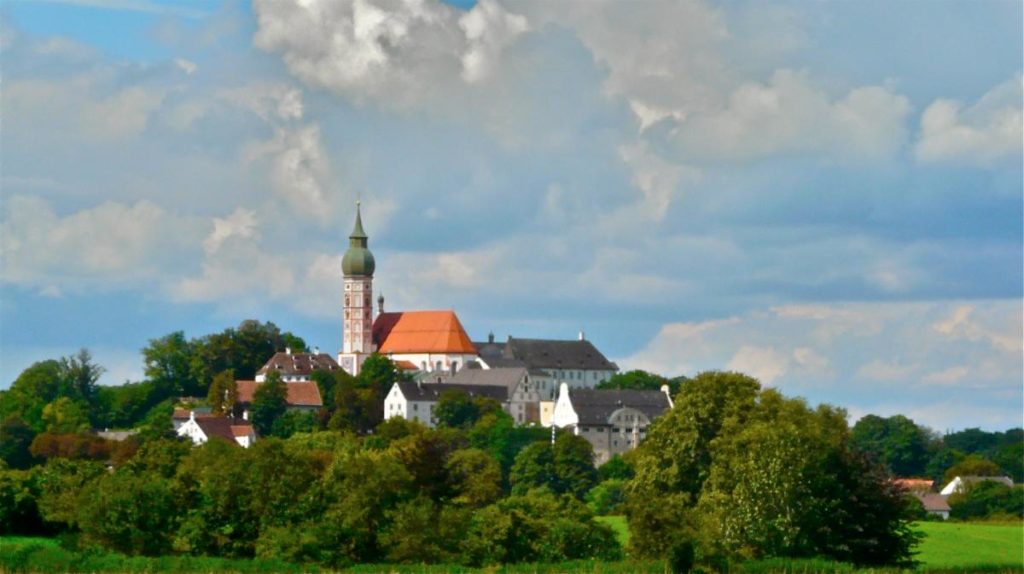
613, 421
960, 483
416, 401
207, 427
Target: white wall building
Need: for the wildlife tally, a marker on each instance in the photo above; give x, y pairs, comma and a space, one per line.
204, 428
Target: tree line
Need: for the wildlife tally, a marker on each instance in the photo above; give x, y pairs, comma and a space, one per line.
734, 471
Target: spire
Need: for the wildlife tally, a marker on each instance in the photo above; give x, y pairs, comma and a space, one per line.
358, 260
357, 231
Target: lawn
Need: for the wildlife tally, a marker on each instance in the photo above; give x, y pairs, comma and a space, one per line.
947, 547
958, 544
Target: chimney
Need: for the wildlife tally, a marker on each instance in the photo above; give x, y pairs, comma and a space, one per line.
583, 336
288, 350
490, 337
316, 350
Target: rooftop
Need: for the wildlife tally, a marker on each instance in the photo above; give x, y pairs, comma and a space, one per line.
595, 407
300, 393
421, 332
288, 363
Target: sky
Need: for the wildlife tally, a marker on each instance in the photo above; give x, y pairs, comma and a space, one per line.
824, 195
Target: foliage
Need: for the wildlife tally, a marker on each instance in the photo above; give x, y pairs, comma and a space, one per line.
60, 484
15, 441
896, 441
133, 513
65, 416
75, 446
456, 409
19, 495
269, 401
537, 526
291, 422
607, 497
566, 467
475, 477
223, 393
641, 380
972, 465
749, 474
987, 498
616, 467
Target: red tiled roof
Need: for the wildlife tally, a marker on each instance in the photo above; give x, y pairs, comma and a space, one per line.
185, 414
421, 332
241, 430
300, 393
406, 365
913, 484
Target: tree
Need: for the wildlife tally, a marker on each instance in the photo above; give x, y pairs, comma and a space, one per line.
34, 388
641, 380
223, 393
973, 465
474, 477
291, 422
15, 439
65, 416
986, 499
457, 409
567, 467
130, 513
897, 442
607, 497
168, 364
269, 401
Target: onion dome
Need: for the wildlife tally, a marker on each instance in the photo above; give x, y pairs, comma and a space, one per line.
358, 260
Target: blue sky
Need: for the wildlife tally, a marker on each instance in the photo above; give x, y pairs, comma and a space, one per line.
825, 195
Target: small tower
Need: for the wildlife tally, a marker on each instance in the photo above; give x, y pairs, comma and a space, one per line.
357, 308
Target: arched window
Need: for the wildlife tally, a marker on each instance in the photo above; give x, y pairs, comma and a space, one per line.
438, 366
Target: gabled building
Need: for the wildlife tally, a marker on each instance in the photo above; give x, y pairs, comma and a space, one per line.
416, 401
430, 341
552, 362
524, 394
961, 483
296, 366
302, 396
203, 428
613, 421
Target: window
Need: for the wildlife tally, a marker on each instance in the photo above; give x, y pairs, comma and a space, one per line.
615, 429
415, 407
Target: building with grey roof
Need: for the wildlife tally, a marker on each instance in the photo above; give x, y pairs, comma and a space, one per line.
614, 421
576, 362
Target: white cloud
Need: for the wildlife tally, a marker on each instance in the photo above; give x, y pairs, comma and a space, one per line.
299, 170
990, 130
763, 363
488, 28
241, 223
790, 115
109, 245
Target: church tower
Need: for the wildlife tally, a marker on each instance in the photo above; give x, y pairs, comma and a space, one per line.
357, 309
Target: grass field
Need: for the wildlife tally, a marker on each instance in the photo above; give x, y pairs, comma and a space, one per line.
949, 547
958, 544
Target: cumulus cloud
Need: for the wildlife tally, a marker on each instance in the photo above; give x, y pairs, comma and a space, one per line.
397, 52
111, 245
859, 355
986, 132
299, 170
789, 115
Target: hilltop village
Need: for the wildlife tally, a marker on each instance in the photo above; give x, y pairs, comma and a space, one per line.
538, 382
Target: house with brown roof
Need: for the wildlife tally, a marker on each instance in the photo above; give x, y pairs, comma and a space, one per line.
296, 366
933, 503
430, 341
302, 396
613, 421
203, 428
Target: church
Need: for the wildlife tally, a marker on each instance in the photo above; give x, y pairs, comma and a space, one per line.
425, 341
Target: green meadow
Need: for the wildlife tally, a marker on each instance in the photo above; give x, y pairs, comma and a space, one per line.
950, 547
